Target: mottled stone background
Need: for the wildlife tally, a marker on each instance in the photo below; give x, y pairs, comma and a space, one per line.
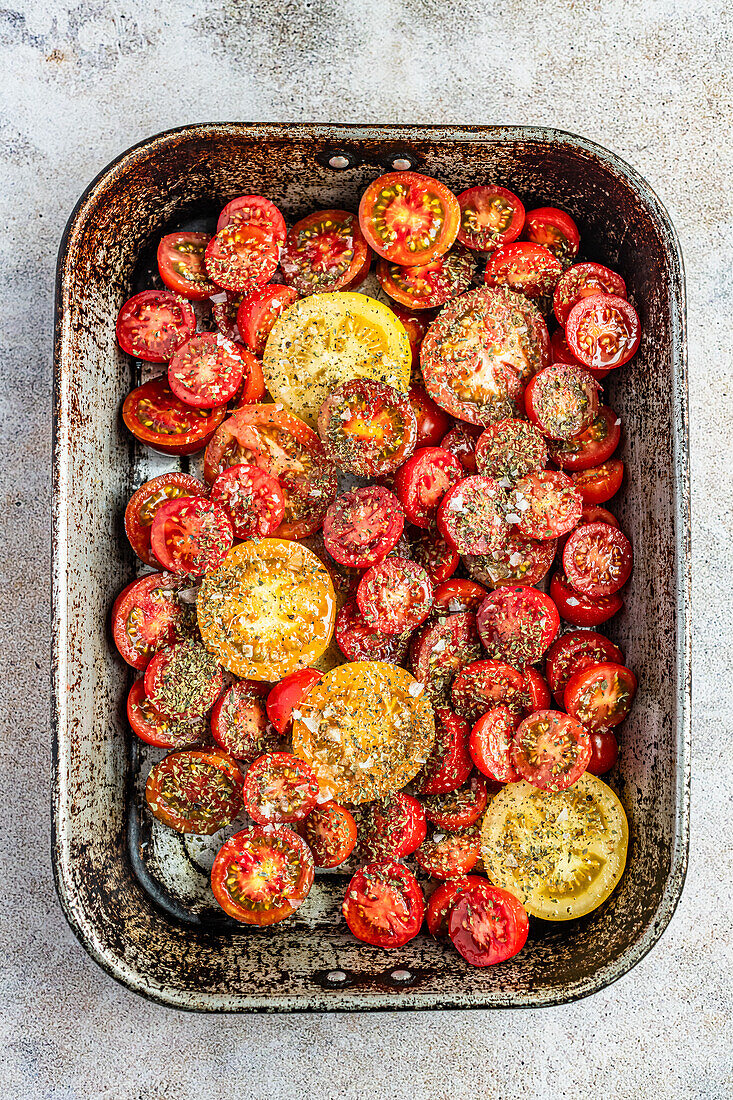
80, 82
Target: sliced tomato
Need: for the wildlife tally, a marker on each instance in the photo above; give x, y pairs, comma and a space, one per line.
206, 371
530, 269
408, 218
449, 855
395, 596
511, 449
254, 210
330, 832
471, 515
241, 257
429, 285
461, 441
183, 680
367, 428
288, 694
384, 904
576, 650
252, 499
488, 925
562, 401
554, 230
490, 217
261, 876
550, 750
155, 729
486, 683
582, 281
537, 689
591, 447
279, 788
600, 483
258, 311
416, 324
252, 389
193, 791
389, 828
545, 505
458, 809
152, 325
358, 641
560, 351
600, 696
148, 614
224, 309
361, 527
442, 900
432, 422
145, 502
439, 650
597, 559
191, 535
239, 721
422, 482
457, 595
158, 418
603, 331
324, 251
490, 743
285, 447
181, 265
603, 752
449, 764
431, 550
581, 610
517, 624
518, 561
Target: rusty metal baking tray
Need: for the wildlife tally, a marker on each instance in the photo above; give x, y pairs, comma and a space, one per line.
138, 900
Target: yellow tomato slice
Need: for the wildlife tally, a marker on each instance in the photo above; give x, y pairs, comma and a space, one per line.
366, 729
561, 853
268, 609
326, 339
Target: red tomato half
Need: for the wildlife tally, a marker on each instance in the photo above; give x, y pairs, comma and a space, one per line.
471, 515
511, 448
152, 325
550, 750
600, 696
432, 422
416, 324
428, 285
254, 210
518, 561
239, 721
449, 764
258, 312
184, 680
483, 684
527, 268
181, 265
604, 752
194, 791
324, 252
537, 689
224, 308
603, 331
252, 499
581, 610
449, 855
517, 624
490, 743
554, 230
561, 353
191, 535
158, 418
459, 809
241, 258
436, 556
148, 614
144, 504
600, 483
439, 650
408, 218
597, 559
358, 641
366, 427
395, 596
279, 788
490, 216
206, 371
286, 696
442, 900
330, 832
155, 729
389, 828
488, 925
422, 482
261, 876
384, 904
576, 650
457, 595
361, 527
582, 281
461, 441
592, 446
562, 400
546, 505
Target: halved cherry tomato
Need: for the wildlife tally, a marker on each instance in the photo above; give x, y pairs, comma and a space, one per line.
366, 427
241, 257
449, 855
224, 309
530, 269
143, 504
600, 483
252, 499
449, 765
389, 828
581, 610
597, 559
194, 791
554, 230
461, 441
239, 721
432, 422
330, 832
518, 561
148, 614
191, 535
279, 788
422, 482
471, 515
384, 904
537, 689
604, 752
184, 680
576, 650
545, 505
361, 527
323, 252
252, 389
562, 400
488, 925
408, 218
483, 684
490, 742
429, 285
152, 325
457, 595
550, 750
358, 641
416, 324
560, 350
490, 216
158, 418
206, 371
155, 729
181, 265
261, 876
431, 550
603, 330
600, 696
285, 447
582, 281
517, 624
395, 596
441, 902
286, 696
458, 809
590, 447
254, 210
258, 312
441, 649
511, 449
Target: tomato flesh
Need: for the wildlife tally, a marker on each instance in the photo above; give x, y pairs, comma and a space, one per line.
488, 925
530, 269
252, 499
362, 526
581, 610
582, 281
191, 535
193, 791
449, 764
260, 877
517, 624
518, 561
428, 286
239, 722
149, 614
441, 649
324, 252
453, 596
449, 855
330, 832
422, 482
181, 265
241, 257
184, 680
511, 449
471, 515
490, 743
603, 331
206, 371
152, 325
158, 418
358, 641
288, 694
258, 311
576, 650
591, 447
442, 900
554, 230
550, 750
458, 809
395, 596
155, 729
600, 483
145, 502
254, 210
600, 696
279, 788
597, 559
408, 218
384, 904
490, 216
389, 828
562, 401
546, 505
367, 428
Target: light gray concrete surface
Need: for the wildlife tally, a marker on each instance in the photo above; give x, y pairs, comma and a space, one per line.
80, 82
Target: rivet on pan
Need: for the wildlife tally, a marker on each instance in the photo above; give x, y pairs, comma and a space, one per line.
338, 160
401, 164
336, 977
401, 976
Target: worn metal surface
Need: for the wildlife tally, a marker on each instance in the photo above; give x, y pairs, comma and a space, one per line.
300, 965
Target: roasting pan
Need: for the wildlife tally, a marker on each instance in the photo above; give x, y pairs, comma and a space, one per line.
141, 909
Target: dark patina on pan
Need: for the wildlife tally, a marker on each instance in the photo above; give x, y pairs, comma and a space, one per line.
152, 941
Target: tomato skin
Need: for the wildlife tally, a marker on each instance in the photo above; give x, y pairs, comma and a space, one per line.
554, 230
191, 535
560, 351
323, 252
615, 683
181, 265
548, 505
153, 728
537, 689
490, 742
530, 269
239, 722
461, 441
252, 389
562, 401
501, 911
330, 832
384, 904
603, 331
432, 422
449, 764
423, 480
254, 210
604, 752
591, 447
458, 595
600, 483
441, 902
358, 641
254, 851
195, 791
241, 257
150, 607
597, 559
581, 610
581, 281
258, 312
389, 828
430, 285
158, 418
517, 624
391, 206
436, 555
576, 650
144, 503
451, 856
550, 750
362, 526
288, 694
279, 788
491, 216
143, 331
